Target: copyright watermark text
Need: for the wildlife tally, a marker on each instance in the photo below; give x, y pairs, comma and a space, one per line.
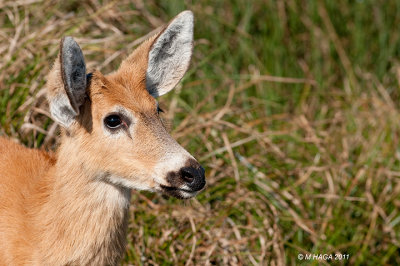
325, 257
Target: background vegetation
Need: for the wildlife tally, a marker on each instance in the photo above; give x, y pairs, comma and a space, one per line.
291, 106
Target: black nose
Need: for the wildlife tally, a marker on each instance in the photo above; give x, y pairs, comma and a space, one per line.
193, 176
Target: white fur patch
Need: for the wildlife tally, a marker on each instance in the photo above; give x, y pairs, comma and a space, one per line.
170, 55
111, 195
172, 161
187, 195
61, 110
129, 183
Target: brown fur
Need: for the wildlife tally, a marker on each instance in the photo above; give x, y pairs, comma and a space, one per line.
63, 209
49, 207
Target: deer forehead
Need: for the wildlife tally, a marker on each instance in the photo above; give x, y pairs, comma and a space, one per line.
108, 94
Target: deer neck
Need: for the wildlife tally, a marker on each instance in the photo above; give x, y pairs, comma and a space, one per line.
82, 218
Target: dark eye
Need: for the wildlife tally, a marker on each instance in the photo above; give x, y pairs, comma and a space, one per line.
113, 121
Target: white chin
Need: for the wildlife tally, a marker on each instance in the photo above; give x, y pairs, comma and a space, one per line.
177, 192
187, 195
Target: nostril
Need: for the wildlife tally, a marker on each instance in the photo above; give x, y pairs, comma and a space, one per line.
188, 175
193, 177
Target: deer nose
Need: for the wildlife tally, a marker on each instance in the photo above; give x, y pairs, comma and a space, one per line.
193, 176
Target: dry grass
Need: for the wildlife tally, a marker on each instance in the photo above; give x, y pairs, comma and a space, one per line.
292, 107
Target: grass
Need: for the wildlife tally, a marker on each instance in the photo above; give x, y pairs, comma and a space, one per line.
291, 106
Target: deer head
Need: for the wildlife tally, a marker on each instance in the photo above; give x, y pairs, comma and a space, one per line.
111, 122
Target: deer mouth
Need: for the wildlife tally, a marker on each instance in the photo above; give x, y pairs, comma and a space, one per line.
178, 193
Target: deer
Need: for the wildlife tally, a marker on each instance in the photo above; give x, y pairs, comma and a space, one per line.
71, 206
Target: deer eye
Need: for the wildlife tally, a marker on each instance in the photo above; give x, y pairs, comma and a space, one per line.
113, 121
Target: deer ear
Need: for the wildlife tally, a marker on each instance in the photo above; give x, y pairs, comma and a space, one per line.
169, 55
67, 83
